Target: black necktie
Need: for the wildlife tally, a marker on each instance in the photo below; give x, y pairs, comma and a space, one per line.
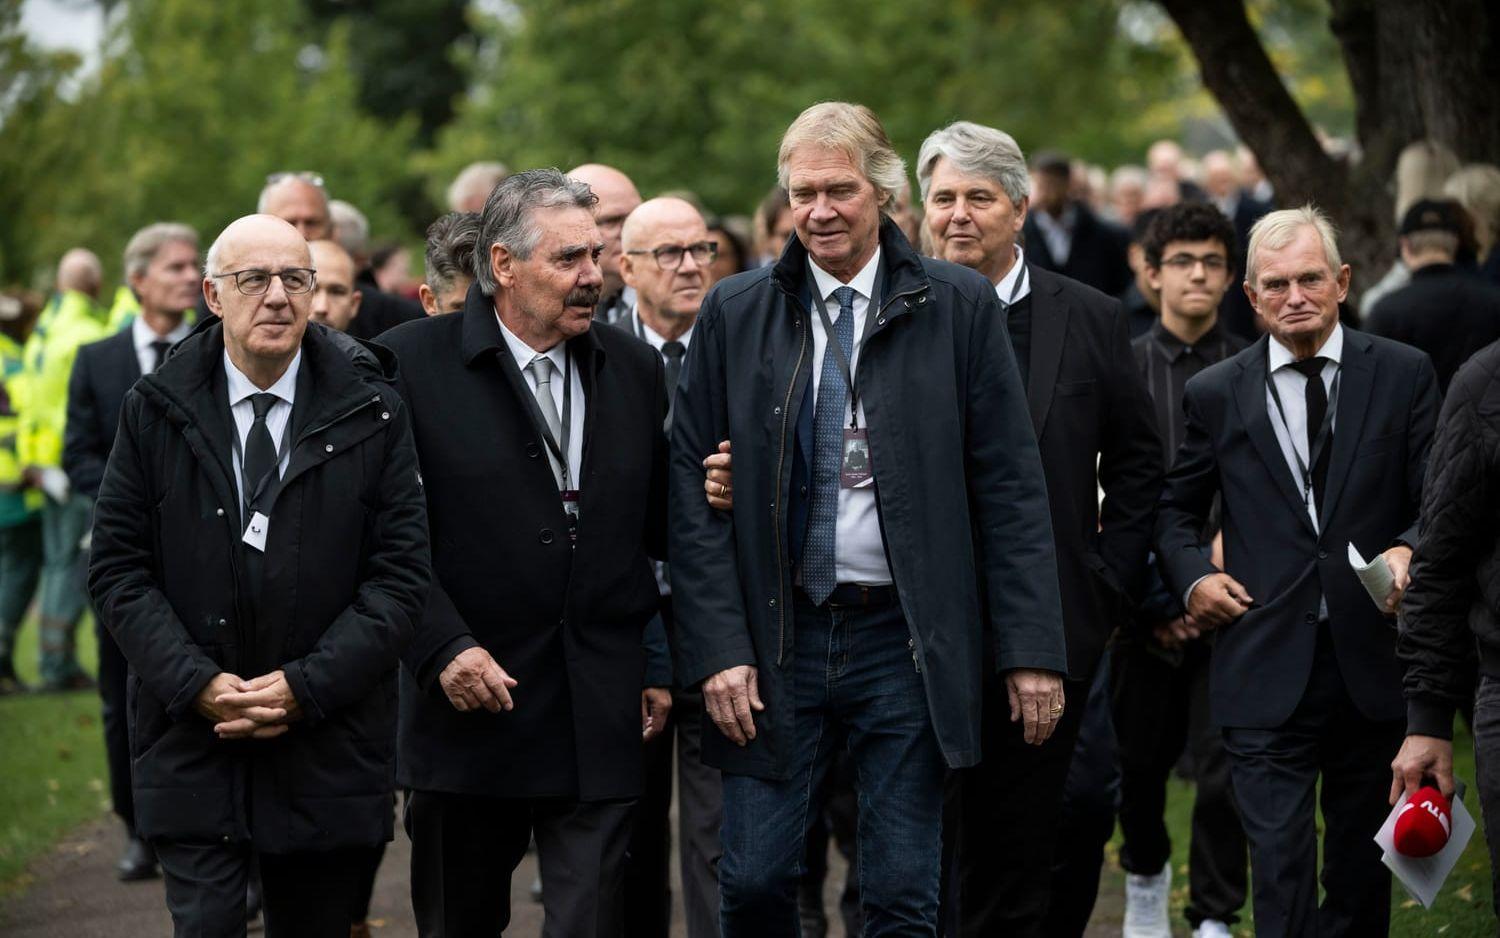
673, 352
159, 349
260, 452
1316, 397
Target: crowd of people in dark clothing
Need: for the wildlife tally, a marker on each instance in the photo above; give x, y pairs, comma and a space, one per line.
939, 522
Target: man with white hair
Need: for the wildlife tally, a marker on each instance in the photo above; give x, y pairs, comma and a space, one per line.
473, 185
300, 200
1313, 440
162, 272
850, 600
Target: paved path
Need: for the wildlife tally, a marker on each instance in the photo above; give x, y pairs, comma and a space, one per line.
73, 893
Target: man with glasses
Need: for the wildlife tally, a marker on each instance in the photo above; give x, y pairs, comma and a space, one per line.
260, 554
666, 256
617, 199
300, 200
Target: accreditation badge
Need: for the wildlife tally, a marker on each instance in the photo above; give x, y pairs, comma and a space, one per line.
855, 470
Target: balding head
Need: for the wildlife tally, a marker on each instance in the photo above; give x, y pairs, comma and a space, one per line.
660, 264
1164, 158
300, 202
335, 301
1218, 173
80, 270
617, 197
474, 184
264, 318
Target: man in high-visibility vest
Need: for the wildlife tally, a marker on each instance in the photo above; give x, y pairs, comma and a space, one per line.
75, 318
20, 505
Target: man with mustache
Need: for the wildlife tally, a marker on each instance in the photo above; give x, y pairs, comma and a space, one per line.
539, 433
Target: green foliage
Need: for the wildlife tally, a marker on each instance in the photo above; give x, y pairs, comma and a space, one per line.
192, 106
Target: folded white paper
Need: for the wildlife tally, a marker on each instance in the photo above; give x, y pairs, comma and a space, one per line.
1375, 575
1423, 878
55, 483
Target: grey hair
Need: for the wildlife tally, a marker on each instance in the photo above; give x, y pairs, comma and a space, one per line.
854, 129
285, 179
484, 176
144, 244
450, 248
976, 150
509, 215
350, 227
1277, 229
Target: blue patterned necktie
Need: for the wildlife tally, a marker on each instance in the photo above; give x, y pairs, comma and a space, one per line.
818, 577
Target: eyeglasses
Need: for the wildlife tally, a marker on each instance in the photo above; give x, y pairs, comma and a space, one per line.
1212, 263
312, 179
669, 256
252, 281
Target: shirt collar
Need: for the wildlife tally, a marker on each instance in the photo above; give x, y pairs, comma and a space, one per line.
1174, 347
1007, 283
143, 335
654, 338
1333, 349
523, 353
862, 282
241, 387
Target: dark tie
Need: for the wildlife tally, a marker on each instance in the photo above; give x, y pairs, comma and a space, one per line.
1316, 396
672, 351
818, 571
159, 349
260, 452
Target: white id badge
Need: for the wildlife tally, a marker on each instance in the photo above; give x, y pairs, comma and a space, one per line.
255, 532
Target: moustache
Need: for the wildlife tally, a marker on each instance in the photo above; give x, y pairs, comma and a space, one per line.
583, 296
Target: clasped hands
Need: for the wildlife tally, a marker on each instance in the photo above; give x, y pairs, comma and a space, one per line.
259, 708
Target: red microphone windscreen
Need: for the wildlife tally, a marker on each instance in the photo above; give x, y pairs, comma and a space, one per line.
1423, 826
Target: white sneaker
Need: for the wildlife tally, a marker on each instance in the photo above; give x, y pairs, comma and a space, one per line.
1147, 900
1211, 928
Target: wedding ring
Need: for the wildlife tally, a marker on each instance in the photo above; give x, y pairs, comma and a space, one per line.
723, 490
1055, 710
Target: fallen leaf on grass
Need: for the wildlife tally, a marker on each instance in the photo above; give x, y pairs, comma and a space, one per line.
1466, 892
1409, 904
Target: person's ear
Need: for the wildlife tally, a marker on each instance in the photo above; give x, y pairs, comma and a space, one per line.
211, 296
502, 265
428, 299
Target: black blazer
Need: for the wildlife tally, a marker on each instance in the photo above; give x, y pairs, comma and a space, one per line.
564, 621
1448, 313
1387, 411
102, 373
1098, 256
1089, 405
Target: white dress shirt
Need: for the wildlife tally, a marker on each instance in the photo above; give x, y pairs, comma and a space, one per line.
240, 389
1057, 232
143, 335
1015, 286
656, 340
1292, 435
859, 549
523, 355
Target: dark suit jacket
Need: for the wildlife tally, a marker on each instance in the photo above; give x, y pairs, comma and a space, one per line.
1448, 313
1387, 411
1089, 404
380, 311
102, 373
1098, 256
564, 621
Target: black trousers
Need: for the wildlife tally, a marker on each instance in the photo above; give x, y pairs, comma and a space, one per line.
113, 677
465, 848
700, 811
648, 891
1276, 774
1161, 708
306, 895
1001, 822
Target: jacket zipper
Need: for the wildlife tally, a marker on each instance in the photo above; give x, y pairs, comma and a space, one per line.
786, 412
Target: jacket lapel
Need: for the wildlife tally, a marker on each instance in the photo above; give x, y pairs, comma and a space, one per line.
129, 361
1049, 329
1356, 381
1250, 398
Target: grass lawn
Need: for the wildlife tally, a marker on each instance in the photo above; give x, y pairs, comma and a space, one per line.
52, 768
1462, 909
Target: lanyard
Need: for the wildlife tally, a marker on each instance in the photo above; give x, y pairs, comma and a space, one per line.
1319, 442
837, 350
1015, 288
250, 493
559, 449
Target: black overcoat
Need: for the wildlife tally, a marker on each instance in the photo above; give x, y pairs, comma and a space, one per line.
345, 575
564, 621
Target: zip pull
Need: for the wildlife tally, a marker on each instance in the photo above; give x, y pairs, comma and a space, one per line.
911, 645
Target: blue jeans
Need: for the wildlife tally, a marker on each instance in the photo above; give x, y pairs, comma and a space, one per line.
855, 685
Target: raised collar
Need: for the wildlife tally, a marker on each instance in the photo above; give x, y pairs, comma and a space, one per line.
1279, 356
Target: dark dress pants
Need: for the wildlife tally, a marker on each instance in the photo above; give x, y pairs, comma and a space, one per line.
1002, 819
465, 848
306, 895
1161, 707
113, 678
700, 811
648, 890
1486, 723
1276, 774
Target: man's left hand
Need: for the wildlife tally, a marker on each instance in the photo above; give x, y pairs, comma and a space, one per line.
1398, 558
266, 706
656, 704
1036, 697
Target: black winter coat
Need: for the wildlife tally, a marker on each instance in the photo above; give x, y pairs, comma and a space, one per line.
959, 487
345, 575
1454, 599
565, 621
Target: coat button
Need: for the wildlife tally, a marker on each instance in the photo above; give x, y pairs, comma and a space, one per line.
908, 304
922, 298
385, 415
328, 448
223, 622
1322, 555
772, 604
219, 512
880, 321
546, 536
1311, 617
533, 450
776, 409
